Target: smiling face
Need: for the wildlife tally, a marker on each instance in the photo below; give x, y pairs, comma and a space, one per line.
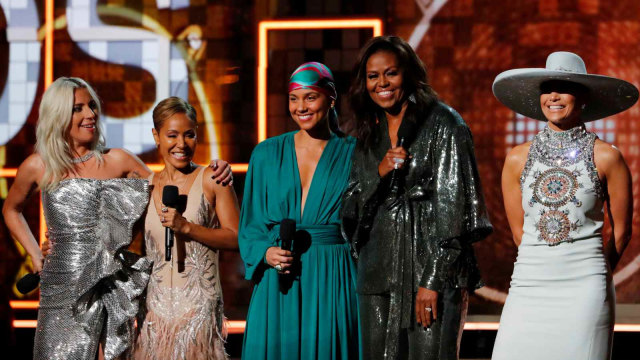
84, 119
561, 103
176, 140
384, 80
309, 108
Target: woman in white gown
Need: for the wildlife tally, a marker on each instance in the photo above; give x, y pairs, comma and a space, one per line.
561, 301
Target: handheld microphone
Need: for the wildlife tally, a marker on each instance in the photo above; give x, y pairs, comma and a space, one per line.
287, 233
170, 198
406, 131
28, 283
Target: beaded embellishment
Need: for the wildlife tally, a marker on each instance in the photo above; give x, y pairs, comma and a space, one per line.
565, 157
555, 226
555, 188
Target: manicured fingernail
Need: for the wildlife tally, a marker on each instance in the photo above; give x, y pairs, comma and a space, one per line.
217, 181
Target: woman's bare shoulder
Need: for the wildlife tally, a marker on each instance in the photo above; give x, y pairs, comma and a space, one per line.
31, 169
517, 156
606, 155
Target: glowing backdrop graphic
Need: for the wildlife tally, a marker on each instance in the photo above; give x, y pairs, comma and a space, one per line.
137, 53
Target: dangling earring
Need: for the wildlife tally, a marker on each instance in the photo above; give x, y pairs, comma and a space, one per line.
583, 106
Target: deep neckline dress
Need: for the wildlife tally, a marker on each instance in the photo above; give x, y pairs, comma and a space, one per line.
315, 316
184, 308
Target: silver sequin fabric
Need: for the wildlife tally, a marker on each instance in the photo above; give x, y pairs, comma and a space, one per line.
421, 236
90, 285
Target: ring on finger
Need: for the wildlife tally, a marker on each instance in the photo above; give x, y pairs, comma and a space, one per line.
395, 166
398, 160
278, 267
162, 218
428, 309
164, 209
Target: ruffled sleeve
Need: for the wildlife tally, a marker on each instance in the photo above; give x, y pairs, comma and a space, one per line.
115, 279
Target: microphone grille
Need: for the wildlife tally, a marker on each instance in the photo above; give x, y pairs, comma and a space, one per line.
407, 129
28, 283
287, 229
170, 196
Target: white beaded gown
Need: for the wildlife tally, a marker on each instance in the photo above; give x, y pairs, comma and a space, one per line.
561, 300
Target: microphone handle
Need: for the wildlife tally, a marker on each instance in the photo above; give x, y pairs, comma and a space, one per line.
168, 243
393, 184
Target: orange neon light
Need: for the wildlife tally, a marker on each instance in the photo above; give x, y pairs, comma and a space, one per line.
22, 324
238, 326
48, 43
24, 304
239, 168
263, 58
8, 173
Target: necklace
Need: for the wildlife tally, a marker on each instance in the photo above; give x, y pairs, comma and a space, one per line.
83, 158
563, 148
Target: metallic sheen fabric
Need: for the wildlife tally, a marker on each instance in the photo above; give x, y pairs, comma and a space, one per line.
90, 284
422, 235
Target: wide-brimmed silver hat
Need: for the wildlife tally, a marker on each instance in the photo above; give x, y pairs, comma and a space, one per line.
519, 89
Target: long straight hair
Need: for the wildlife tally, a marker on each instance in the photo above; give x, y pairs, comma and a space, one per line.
415, 86
53, 142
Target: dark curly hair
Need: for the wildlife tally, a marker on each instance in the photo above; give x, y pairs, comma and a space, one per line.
415, 85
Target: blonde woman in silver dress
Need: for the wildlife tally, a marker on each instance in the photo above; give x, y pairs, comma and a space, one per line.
184, 314
90, 284
561, 301
90, 209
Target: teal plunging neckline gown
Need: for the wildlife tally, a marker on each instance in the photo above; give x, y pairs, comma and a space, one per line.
315, 316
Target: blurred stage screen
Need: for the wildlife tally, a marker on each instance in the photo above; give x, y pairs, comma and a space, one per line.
136, 53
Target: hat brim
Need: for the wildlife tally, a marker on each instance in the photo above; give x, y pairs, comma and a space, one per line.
519, 90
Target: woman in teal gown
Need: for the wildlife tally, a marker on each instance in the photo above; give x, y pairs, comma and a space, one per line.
308, 309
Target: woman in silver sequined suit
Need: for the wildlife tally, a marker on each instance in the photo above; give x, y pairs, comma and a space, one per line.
89, 283
561, 302
412, 240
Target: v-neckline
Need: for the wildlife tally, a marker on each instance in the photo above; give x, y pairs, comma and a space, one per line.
301, 210
153, 198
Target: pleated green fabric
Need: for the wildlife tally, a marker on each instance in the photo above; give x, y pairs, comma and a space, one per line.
316, 315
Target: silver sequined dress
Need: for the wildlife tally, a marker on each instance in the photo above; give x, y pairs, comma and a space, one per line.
89, 284
561, 300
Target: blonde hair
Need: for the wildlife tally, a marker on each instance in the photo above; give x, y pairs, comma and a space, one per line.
169, 107
53, 143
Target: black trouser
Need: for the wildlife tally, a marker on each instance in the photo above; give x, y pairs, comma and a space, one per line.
439, 342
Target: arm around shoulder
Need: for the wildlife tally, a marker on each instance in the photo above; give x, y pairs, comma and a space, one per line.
227, 210
131, 165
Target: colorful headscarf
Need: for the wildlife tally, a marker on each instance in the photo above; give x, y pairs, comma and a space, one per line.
313, 76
